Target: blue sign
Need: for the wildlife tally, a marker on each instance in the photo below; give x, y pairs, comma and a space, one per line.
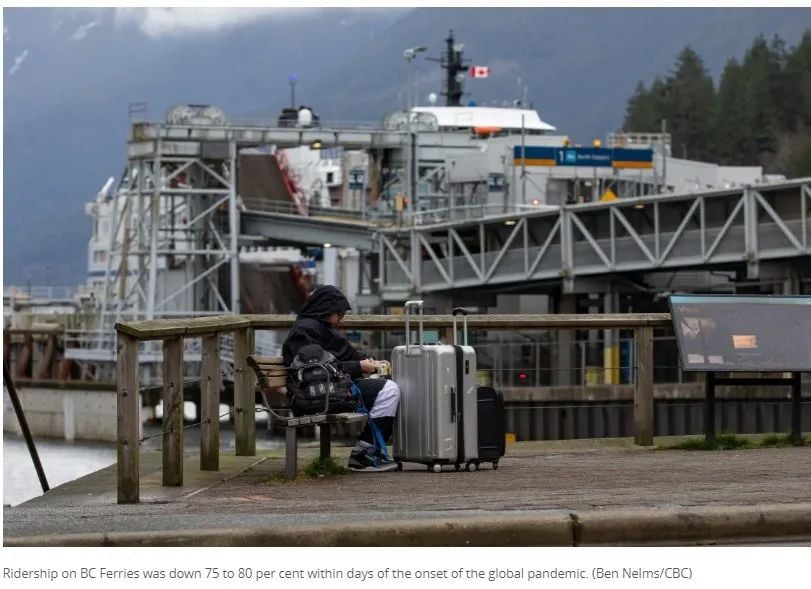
601, 157
584, 156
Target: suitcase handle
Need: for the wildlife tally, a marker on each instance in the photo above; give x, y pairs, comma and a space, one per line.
408, 305
453, 405
463, 312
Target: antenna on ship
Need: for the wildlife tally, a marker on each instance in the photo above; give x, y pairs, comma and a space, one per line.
456, 67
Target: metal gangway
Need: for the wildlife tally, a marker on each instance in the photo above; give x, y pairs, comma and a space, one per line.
486, 245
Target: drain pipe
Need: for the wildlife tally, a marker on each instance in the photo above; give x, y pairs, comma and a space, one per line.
29, 441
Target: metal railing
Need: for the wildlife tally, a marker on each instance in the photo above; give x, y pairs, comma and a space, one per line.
473, 212
41, 292
374, 216
260, 121
523, 364
368, 215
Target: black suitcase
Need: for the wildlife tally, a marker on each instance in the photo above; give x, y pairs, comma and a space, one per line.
492, 425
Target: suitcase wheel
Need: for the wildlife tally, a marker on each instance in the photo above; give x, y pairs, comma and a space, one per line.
472, 466
495, 465
436, 468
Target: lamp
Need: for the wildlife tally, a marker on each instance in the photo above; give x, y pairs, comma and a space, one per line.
409, 55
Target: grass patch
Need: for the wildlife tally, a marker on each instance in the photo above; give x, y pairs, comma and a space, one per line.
733, 442
775, 441
321, 467
781, 441
721, 442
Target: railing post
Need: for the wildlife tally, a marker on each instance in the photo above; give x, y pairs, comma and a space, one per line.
643, 392
244, 397
128, 419
173, 412
210, 404
445, 335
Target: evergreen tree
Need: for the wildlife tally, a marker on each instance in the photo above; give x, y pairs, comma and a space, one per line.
689, 98
762, 114
776, 79
730, 136
799, 162
644, 110
797, 86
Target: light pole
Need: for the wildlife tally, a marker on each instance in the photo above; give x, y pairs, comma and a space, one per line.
409, 55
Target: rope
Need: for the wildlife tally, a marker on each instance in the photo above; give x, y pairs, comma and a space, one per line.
160, 387
171, 430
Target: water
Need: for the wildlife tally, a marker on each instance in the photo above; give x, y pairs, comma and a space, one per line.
65, 461
62, 462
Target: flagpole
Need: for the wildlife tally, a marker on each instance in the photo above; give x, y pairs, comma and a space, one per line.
409, 55
523, 164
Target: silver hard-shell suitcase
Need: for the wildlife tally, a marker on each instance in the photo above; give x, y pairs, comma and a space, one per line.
437, 422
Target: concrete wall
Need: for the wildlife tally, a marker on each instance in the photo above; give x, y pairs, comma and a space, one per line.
64, 413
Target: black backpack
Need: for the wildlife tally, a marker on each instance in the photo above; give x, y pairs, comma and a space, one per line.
317, 385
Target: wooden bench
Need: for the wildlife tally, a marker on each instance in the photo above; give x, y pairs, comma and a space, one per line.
271, 380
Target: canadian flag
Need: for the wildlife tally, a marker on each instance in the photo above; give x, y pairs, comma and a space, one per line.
479, 71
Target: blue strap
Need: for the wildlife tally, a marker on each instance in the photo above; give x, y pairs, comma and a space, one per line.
380, 443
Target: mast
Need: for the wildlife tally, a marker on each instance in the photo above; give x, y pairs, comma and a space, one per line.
455, 67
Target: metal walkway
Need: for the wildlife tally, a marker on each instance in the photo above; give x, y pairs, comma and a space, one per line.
339, 227
478, 247
748, 225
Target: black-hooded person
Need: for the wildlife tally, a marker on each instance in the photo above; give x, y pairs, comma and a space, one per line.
316, 323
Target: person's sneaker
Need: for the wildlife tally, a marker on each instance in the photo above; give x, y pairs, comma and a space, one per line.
382, 456
363, 461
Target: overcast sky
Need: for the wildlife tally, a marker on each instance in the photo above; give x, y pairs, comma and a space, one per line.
157, 22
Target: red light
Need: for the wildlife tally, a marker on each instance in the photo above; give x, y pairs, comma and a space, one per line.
522, 376
536, 201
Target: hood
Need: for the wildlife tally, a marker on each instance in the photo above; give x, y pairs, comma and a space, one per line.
323, 302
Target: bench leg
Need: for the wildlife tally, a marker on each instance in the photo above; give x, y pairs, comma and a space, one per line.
325, 440
291, 453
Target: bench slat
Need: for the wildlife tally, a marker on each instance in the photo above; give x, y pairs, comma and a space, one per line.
275, 382
268, 360
331, 418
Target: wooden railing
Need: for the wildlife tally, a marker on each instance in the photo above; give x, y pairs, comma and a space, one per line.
173, 331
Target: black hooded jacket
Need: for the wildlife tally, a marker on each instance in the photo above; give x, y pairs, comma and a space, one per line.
312, 327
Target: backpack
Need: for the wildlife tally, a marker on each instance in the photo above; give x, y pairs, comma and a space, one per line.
317, 385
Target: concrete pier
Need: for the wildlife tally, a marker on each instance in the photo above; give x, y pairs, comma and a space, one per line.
575, 492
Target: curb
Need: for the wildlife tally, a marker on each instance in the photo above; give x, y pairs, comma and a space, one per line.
686, 525
632, 527
541, 530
